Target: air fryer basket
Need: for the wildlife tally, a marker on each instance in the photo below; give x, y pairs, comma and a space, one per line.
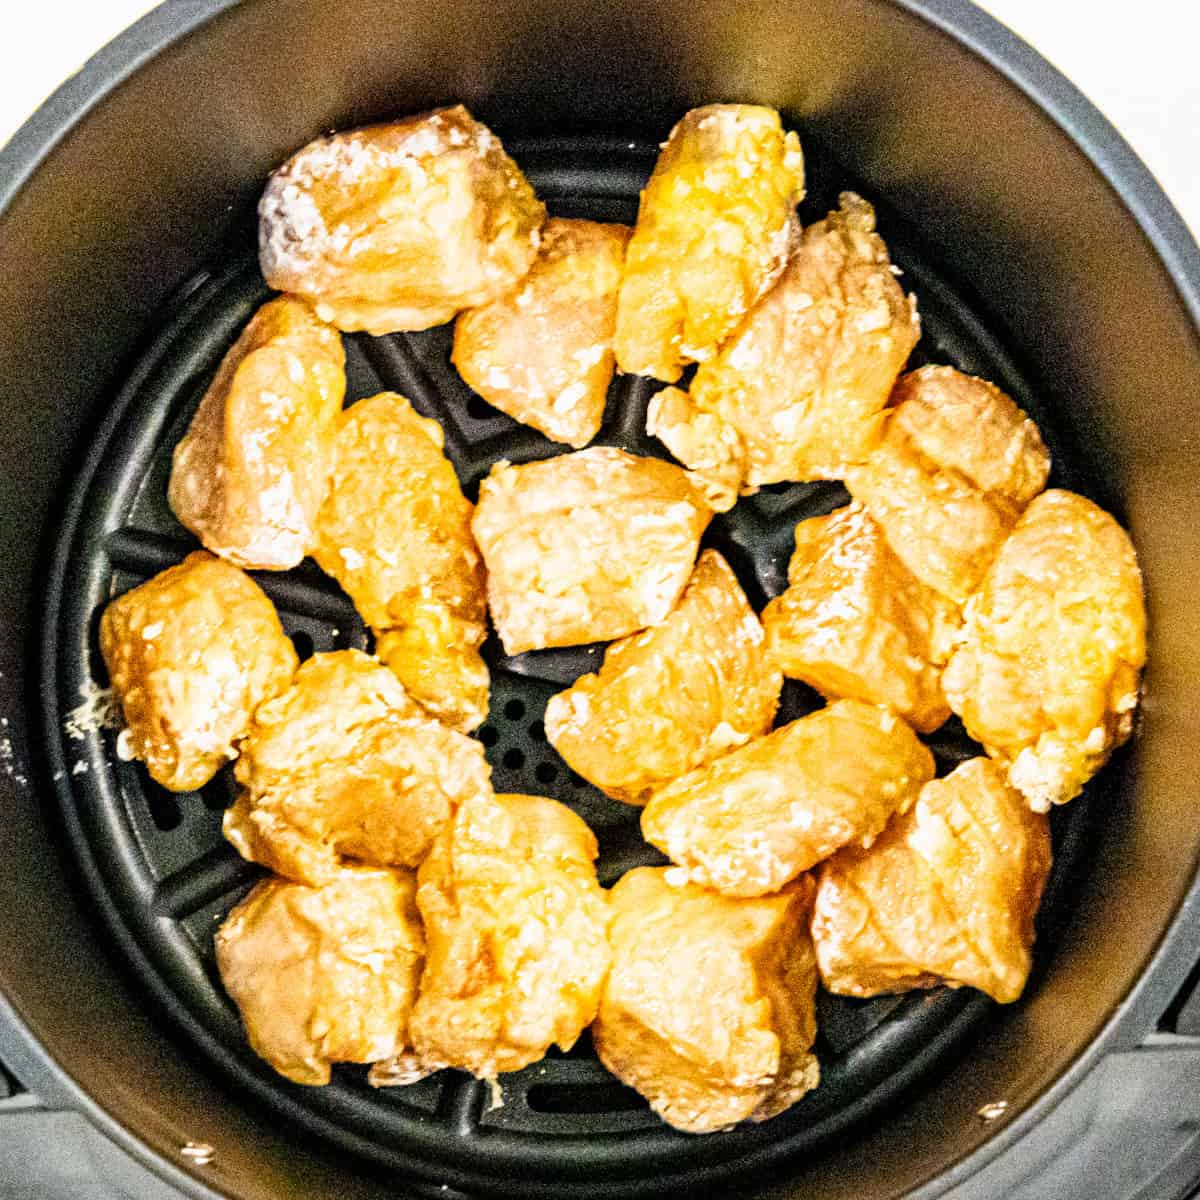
168, 875
129, 270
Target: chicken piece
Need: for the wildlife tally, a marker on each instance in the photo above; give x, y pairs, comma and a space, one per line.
585, 547
804, 378
854, 622
517, 928
191, 654
749, 822
399, 226
345, 764
395, 532
324, 975
1046, 677
250, 473
543, 353
957, 463
672, 697
711, 449
710, 1007
948, 893
963, 423
713, 230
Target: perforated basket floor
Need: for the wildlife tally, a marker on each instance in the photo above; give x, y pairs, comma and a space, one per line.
162, 877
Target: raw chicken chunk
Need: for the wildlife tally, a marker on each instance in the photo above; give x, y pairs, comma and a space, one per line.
395, 532
710, 1007
948, 893
749, 822
399, 226
324, 975
672, 697
517, 928
191, 654
345, 764
803, 380
1046, 677
543, 353
586, 547
957, 463
252, 470
709, 447
712, 234
855, 623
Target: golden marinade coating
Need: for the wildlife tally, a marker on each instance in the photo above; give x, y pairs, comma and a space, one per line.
805, 376
710, 1007
946, 895
585, 547
191, 654
854, 622
252, 470
543, 352
711, 449
324, 975
672, 697
957, 463
399, 226
517, 928
712, 233
751, 821
1046, 677
967, 424
345, 764
395, 532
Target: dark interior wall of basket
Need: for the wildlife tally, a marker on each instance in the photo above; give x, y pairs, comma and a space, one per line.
1006, 213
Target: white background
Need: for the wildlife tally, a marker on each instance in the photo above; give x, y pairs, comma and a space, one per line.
1136, 61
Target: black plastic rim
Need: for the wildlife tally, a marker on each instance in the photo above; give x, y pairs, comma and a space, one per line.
166, 876
1051, 93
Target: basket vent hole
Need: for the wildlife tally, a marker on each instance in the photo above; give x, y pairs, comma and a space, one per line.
546, 772
596, 1098
488, 735
537, 731
480, 409
514, 710
219, 792
165, 810
514, 759
577, 780
303, 643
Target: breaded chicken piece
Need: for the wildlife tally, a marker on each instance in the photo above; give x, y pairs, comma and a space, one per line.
947, 894
710, 1007
395, 532
191, 654
957, 463
543, 352
1046, 677
517, 929
673, 697
804, 378
585, 547
252, 470
399, 226
712, 234
748, 823
854, 622
345, 764
324, 975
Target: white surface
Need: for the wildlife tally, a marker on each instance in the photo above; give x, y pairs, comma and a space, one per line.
1137, 62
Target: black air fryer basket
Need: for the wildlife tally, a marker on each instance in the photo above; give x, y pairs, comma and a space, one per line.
1042, 257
